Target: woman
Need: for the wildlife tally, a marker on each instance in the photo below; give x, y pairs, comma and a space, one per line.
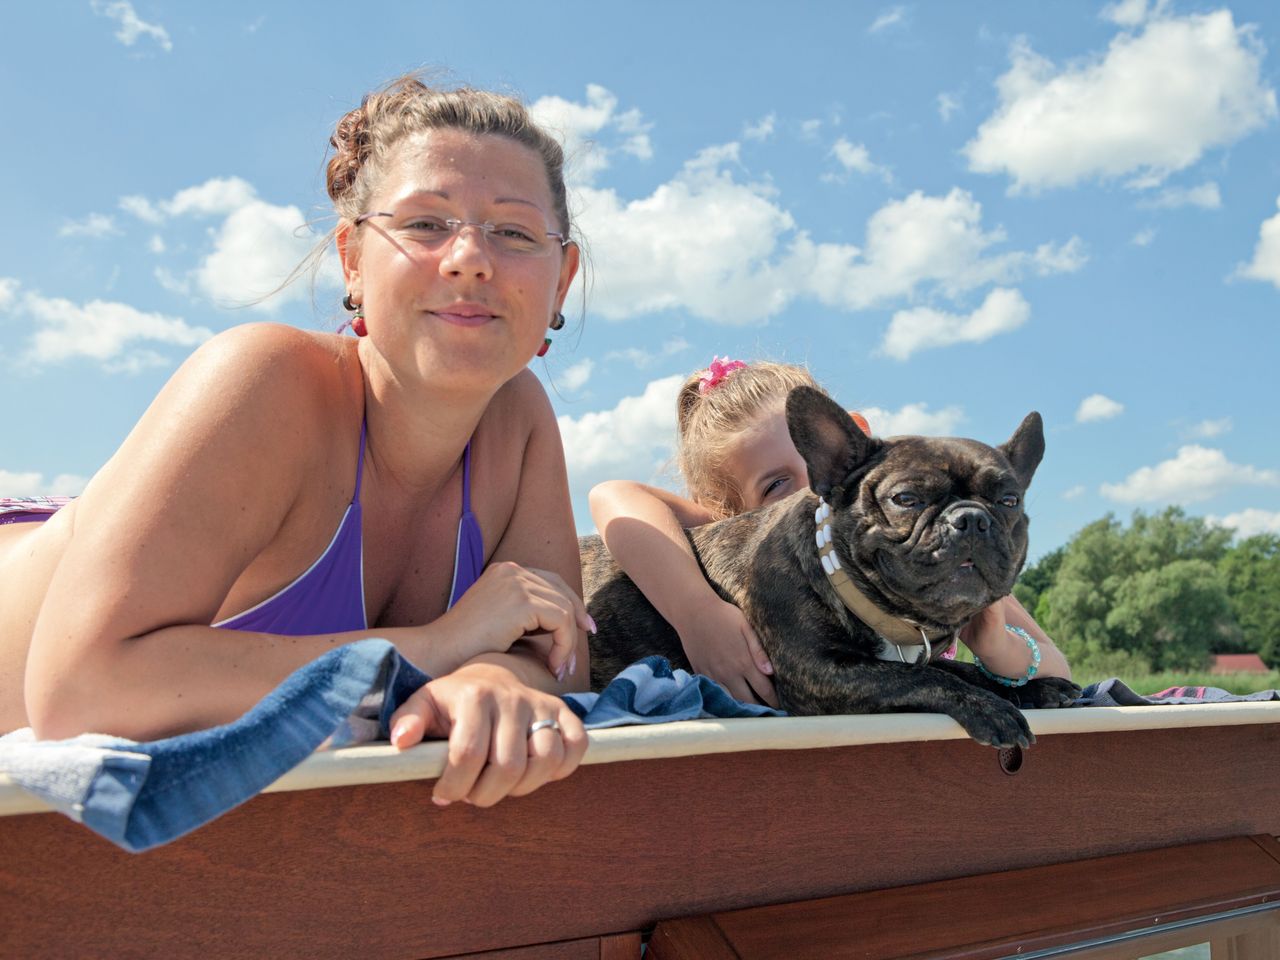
299, 490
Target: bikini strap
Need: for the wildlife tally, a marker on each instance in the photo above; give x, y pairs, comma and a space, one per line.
466, 479
364, 426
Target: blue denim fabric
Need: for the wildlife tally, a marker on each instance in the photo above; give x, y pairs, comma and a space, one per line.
142, 795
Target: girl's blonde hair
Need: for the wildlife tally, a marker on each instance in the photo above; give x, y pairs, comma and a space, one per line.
709, 418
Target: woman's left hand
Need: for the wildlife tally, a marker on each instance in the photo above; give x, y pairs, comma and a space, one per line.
487, 714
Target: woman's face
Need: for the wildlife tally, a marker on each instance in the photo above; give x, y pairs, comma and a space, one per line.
458, 308
764, 463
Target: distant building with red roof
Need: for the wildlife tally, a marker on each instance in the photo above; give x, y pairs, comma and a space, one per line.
1237, 663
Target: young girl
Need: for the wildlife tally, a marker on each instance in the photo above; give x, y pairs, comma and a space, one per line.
735, 454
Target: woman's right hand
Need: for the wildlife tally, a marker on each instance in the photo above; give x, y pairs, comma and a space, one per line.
721, 645
511, 602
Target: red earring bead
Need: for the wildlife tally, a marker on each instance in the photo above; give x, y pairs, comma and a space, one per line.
546, 345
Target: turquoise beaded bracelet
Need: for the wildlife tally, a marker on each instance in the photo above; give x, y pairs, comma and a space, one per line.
1031, 670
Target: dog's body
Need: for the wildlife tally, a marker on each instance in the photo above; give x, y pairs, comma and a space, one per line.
930, 531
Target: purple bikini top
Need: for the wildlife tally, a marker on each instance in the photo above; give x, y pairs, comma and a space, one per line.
328, 597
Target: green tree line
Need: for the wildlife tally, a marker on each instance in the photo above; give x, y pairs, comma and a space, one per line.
1163, 593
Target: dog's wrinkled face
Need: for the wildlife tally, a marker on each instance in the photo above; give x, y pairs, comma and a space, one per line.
935, 526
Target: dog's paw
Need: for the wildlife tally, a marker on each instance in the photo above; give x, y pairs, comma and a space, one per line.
993, 722
1049, 692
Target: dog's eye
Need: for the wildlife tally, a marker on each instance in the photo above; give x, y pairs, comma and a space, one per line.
1009, 500
905, 500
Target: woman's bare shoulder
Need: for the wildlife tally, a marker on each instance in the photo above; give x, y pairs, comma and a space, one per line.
270, 369
521, 405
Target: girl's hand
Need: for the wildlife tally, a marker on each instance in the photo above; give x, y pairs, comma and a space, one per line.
721, 644
1005, 653
486, 715
510, 602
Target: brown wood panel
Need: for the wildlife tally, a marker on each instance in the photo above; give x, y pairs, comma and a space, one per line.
332, 873
588, 949
620, 946
994, 914
698, 937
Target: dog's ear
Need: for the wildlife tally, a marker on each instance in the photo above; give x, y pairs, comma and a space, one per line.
826, 437
1026, 448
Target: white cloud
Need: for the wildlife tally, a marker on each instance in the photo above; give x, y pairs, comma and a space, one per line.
924, 328
156, 243
142, 208
579, 125
701, 242
94, 225
727, 252
1250, 522
1096, 406
643, 359
761, 129
1206, 196
33, 484
1075, 493
131, 26
1143, 237
1206, 429
809, 128
1152, 105
912, 419
576, 376
1196, 473
1130, 13
855, 158
889, 18
633, 440
257, 245
1265, 264
118, 336
948, 105
216, 196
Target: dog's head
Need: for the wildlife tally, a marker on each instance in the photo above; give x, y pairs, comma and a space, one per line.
934, 527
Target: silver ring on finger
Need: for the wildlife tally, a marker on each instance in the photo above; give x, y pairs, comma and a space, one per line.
543, 725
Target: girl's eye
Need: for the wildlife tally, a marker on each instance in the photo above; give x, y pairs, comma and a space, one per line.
774, 486
1009, 500
905, 500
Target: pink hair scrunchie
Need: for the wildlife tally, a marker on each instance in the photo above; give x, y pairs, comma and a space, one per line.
720, 368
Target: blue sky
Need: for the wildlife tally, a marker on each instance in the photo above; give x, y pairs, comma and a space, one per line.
953, 212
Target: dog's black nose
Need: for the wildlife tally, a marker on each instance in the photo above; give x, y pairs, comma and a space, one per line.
970, 519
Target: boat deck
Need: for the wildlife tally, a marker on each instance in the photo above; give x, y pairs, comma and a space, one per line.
346, 856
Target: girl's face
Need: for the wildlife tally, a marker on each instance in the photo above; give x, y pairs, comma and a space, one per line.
763, 462
462, 309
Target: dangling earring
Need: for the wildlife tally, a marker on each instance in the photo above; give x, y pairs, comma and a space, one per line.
357, 322
557, 322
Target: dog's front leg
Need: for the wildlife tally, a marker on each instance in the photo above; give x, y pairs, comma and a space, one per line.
827, 686
1037, 694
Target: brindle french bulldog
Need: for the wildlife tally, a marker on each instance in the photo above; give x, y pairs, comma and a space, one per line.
856, 588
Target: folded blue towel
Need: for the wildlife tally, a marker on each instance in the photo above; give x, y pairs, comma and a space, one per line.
142, 795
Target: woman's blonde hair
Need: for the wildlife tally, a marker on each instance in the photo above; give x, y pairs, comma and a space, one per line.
709, 417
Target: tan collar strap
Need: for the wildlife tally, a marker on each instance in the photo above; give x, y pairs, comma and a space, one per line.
902, 638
